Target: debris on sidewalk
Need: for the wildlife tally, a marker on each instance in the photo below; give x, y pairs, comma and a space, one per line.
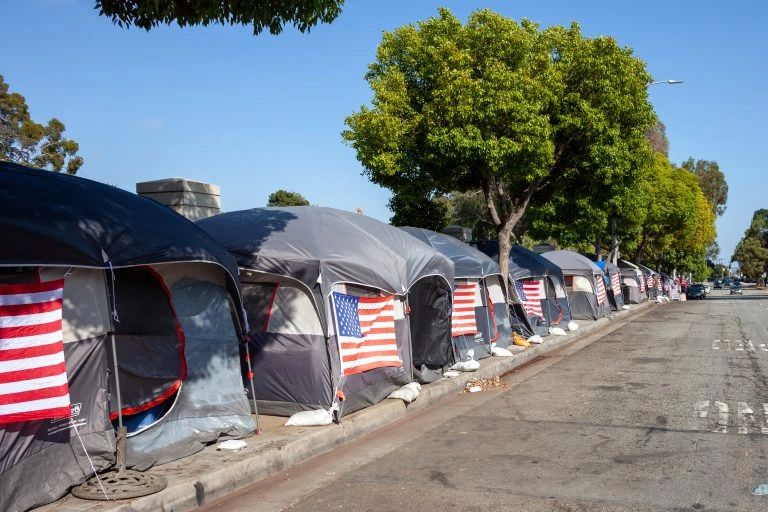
475, 385
519, 340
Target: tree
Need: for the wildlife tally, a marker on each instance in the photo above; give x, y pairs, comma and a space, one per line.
284, 198
657, 136
752, 250
420, 211
24, 141
261, 14
712, 182
501, 106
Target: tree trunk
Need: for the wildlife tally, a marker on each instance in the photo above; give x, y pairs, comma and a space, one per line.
505, 246
598, 250
614, 257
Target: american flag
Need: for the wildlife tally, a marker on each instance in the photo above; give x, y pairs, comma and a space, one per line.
600, 288
616, 284
463, 315
33, 375
531, 293
642, 281
649, 281
366, 332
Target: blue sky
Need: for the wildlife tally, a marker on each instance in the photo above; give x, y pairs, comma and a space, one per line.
254, 114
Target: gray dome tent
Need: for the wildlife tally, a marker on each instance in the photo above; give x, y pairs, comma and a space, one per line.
480, 275
538, 287
633, 283
103, 251
304, 272
612, 281
584, 284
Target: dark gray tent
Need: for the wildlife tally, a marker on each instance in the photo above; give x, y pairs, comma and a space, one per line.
528, 270
584, 284
173, 293
491, 324
633, 283
299, 267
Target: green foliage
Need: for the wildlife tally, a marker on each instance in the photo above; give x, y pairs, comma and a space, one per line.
519, 112
24, 141
284, 198
752, 251
712, 182
420, 211
261, 14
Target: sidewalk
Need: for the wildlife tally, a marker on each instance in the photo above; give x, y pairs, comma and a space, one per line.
211, 474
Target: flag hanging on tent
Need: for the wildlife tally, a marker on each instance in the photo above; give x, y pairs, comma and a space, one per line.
616, 284
649, 281
463, 320
600, 289
531, 293
33, 375
642, 281
366, 334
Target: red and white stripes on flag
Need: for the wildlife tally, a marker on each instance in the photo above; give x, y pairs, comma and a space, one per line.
366, 332
616, 284
531, 293
33, 375
600, 289
642, 281
463, 319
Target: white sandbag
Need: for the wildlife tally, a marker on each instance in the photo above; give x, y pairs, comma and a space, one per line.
625, 307
407, 393
314, 418
557, 331
466, 366
451, 374
536, 339
231, 445
500, 352
572, 326
475, 389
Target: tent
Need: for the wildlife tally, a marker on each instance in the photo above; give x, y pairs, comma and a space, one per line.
653, 282
89, 264
537, 286
612, 274
584, 284
307, 274
488, 320
632, 283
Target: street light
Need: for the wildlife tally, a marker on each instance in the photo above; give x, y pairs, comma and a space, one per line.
668, 82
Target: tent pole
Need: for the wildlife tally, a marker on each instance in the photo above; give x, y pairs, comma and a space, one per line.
122, 431
250, 381
410, 334
484, 297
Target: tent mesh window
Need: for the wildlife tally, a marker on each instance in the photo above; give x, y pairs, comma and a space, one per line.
150, 348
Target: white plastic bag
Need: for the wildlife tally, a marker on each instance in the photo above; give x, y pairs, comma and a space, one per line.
451, 374
407, 393
557, 331
466, 366
536, 339
314, 418
624, 307
231, 445
572, 326
500, 352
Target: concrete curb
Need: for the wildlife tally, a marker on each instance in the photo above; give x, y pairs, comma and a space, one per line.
208, 475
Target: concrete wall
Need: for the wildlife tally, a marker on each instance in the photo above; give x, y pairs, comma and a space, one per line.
193, 199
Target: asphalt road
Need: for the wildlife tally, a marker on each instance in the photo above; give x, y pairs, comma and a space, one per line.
667, 411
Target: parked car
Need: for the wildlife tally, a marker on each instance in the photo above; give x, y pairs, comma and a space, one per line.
718, 284
726, 282
696, 291
736, 288
707, 289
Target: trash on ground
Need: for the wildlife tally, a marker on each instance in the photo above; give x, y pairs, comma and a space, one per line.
475, 385
451, 374
557, 331
572, 326
314, 418
466, 366
501, 352
231, 445
407, 393
625, 307
536, 339
519, 341
760, 490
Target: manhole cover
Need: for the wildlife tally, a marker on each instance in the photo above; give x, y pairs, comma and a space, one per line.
120, 485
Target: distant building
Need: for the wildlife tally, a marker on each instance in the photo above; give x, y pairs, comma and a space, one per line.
459, 232
193, 199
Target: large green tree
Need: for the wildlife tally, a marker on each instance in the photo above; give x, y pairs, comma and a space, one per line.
25, 141
272, 15
752, 250
506, 107
712, 182
285, 198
